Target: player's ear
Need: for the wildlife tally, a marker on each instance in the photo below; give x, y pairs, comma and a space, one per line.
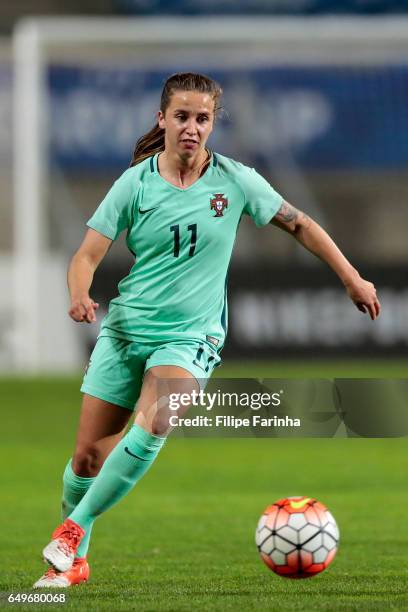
160, 119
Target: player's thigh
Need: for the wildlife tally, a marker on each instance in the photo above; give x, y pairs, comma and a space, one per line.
111, 386
197, 358
100, 420
159, 385
115, 371
101, 426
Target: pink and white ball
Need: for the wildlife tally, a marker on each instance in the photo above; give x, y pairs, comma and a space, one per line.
297, 537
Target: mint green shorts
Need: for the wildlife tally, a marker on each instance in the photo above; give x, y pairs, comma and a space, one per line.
116, 368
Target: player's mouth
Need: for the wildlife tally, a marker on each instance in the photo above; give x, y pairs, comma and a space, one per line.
189, 143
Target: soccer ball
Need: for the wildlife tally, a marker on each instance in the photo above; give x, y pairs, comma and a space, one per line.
297, 537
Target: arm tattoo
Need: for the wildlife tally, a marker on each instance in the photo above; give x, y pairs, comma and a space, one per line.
287, 213
290, 218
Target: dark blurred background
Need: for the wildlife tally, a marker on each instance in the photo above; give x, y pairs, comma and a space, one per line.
11, 11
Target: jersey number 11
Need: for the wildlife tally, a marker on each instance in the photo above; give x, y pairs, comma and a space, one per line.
193, 241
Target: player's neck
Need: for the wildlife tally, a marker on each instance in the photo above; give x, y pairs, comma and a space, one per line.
182, 172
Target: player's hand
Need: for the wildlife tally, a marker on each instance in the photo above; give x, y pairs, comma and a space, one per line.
364, 296
83, 310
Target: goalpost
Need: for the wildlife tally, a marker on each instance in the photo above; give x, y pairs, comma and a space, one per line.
44, 339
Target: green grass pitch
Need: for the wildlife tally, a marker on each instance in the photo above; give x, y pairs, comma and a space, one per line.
184, 538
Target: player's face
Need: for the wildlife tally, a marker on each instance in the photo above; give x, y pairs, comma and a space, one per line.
188, 122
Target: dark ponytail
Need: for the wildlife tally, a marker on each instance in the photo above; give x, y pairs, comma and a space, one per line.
149, 144
153, 141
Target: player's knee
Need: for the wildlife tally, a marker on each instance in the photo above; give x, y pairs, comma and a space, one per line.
160, 424
151, 381
87, 461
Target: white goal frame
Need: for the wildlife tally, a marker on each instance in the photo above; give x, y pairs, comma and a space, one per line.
290, 40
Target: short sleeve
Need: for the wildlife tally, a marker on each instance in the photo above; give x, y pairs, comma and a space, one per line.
114, 213
262, 202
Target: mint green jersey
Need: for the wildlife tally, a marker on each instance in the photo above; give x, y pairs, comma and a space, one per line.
182, 240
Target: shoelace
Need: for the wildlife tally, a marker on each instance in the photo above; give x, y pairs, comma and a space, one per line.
68, 540
64, 547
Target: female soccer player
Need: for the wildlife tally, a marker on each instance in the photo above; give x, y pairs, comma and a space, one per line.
181, 205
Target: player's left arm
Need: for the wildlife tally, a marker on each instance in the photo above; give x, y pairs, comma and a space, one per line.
317, 241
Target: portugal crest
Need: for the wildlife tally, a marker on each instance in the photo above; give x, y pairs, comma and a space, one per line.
219, 203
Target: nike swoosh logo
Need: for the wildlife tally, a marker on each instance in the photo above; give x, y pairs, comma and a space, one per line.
300, 503
142, 212
133, 455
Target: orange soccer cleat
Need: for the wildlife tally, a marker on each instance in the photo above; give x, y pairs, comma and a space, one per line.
78, 573
60, 552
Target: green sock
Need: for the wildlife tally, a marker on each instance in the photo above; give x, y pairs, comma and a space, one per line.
126, 464
74, 488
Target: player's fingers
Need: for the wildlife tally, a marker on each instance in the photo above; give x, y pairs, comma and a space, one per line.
372, 310
82, 310
90, 313
73, 312
376, 308
361, 307
75, 315
78, 312
88, 317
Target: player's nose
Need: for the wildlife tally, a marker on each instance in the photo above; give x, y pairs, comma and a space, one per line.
191, 128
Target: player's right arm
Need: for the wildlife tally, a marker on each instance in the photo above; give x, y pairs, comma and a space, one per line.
80, 275
113, 215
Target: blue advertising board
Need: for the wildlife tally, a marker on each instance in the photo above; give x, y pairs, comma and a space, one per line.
266, 7
314, 117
